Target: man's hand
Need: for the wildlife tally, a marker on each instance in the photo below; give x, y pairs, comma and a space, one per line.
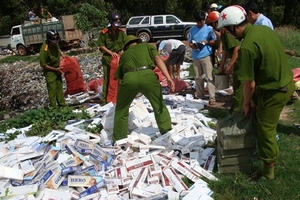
171, 85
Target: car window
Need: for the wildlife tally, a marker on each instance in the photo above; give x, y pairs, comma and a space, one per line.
135, 20
171, 20
158, 20
146, 20
15, 31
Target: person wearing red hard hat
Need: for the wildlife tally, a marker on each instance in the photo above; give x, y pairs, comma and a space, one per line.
264, 69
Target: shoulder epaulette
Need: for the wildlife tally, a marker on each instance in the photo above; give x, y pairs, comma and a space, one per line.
46, 47
104, 31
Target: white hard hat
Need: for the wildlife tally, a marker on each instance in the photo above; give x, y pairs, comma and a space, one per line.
232, 15
213, 5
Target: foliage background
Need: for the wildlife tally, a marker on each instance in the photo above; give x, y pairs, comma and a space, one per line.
14, 12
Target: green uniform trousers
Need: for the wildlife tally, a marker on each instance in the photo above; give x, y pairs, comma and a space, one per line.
238, 94
269, 106
55, 89
106, 60
145, 82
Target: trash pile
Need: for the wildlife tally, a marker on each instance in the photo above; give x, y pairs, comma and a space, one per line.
76, 164
23, 86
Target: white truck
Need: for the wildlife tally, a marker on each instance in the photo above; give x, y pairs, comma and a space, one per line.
29, 37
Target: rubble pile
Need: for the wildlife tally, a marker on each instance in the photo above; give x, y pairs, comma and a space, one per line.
23, 86
76, 164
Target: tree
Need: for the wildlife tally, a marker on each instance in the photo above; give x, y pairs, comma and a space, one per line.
89, 19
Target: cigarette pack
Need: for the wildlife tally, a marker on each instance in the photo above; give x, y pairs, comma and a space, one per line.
138, 163
210, 163
155, 170
101, 155
112, 189
185, 170
93, 189
88, 171
154, 188
70, 170
27, 166
177, 183
139, 178
139, 193
55, 181
11, 173
171, 193
199, 190
84, 146
50, 156
195, 166
75, 161
83, 181
207, 152
153, 180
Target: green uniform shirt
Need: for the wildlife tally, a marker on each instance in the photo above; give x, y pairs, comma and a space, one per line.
229, 43
113, 42
262, 58
49, 55
129, 59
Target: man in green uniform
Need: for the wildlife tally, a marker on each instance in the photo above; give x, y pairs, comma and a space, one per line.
264, 69
136, 75
111, 41
228, 65
49, 59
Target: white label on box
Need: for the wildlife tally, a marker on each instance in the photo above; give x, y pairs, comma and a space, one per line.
83, 181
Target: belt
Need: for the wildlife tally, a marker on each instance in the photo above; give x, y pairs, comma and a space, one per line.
136, 69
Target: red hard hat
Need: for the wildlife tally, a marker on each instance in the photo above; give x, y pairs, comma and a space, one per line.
212, 17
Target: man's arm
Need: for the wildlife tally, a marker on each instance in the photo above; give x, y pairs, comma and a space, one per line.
161, 65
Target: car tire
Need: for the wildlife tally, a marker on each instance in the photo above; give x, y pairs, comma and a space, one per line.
144, 36
22, 50
186, 34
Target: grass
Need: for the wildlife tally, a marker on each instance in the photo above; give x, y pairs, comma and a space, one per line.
12, 59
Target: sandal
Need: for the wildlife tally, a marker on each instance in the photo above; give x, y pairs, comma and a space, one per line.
212, 102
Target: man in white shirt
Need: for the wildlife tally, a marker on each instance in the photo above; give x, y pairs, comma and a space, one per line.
176, 50
255, 17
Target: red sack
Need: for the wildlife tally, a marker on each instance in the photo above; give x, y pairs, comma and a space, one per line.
112, 90
296, 72
94, 84
73, 75
179, 85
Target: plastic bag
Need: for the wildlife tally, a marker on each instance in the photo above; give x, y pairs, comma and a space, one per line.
112, 90
73, 75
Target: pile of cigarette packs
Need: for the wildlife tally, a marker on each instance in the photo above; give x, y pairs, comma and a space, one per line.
76, 164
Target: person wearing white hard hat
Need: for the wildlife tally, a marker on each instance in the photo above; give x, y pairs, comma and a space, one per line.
264, 69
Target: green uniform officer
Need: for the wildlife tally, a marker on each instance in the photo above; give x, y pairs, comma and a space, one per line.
111, 42
230, 47
49, 59
264, 69
136, 75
